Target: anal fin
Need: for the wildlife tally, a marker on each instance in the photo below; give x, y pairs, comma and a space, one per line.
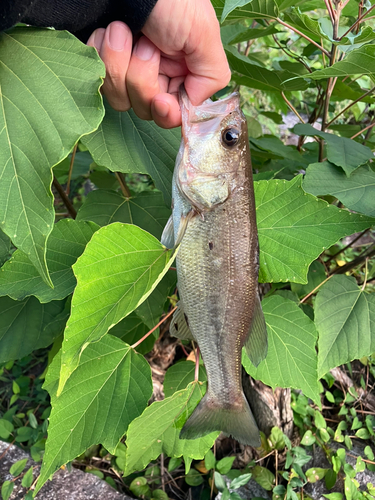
179, 326
256, 345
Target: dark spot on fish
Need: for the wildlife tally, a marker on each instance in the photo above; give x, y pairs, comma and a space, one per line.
211, 245
186, 319
176, 326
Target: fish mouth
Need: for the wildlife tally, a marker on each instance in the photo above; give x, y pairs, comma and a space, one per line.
207, 111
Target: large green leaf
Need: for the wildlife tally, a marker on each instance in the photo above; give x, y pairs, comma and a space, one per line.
157, 431
110, 388
19, 278
356, 192
5, 245
125, 143
341, 151
255, 76
291, 360
146, 210
233, 10
120, 267
237, 33
179, 376
131, 329
360, 61
29, 325
49, 98
345, 319
295, 228
152, 308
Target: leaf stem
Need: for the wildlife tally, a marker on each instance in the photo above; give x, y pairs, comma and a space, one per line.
196, 372
71, 168
124, 187
64, 198
366, 271
363, 130
290, 105
313, 291
349, 106
153, 329
303, 35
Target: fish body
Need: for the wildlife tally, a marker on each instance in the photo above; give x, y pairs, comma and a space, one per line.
217, 263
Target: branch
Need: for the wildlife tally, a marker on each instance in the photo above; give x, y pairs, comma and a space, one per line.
304, 36
350, 105
290, 105
363, 130
358, 21
124, 188
64, 198
370, 252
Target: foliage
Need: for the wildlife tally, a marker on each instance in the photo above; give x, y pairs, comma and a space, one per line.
85, 194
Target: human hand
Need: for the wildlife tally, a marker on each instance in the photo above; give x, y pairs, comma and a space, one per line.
181, 44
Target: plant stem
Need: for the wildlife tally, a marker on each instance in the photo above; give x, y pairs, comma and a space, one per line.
358, 21
330, 9
153, 329
124, 188
290, 105
71, 168
313, 291
363, 130
350, 105
303, 35
64, 198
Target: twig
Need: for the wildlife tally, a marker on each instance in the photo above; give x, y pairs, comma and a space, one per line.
124, 188
330, 9
363, 130
365, 280
64, 198
153, 329
290, 105
348, 245
357, 22
303, 35
349, 106
162, 471
71, 168
313, 291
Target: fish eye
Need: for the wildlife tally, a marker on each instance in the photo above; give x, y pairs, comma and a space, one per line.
230, 136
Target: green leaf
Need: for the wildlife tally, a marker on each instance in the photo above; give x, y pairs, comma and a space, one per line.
24, 434
209, 459
255, 76
240, 9
237, 33
42, 322
18, 467
19, 278
341, 151
5, 245
219, 481
225, 464
110, 387
139, 486
264, 477
294, 228
131, 329
356, 192
146, 210
315, 276
360, 61
125, 143
180, 375
6, 489
81, 167
6, 428
120, 267
193, 478
39, 131
291, 360
157, 429
152, 308
308, 438
240, 481
27, 479
345, 319
315, 474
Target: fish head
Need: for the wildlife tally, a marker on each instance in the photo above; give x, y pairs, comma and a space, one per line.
214, 146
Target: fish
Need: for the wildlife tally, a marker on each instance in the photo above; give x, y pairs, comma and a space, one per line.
213, 223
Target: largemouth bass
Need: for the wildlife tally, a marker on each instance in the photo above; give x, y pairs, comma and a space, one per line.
213, 220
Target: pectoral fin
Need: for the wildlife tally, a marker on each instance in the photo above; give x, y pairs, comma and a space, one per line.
179, 325
256, 344
167, 237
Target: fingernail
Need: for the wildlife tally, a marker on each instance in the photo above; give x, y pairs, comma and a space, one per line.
161, 108
144, 49
117, 36
98, 39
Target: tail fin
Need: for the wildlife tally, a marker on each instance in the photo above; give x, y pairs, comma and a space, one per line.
208, 417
